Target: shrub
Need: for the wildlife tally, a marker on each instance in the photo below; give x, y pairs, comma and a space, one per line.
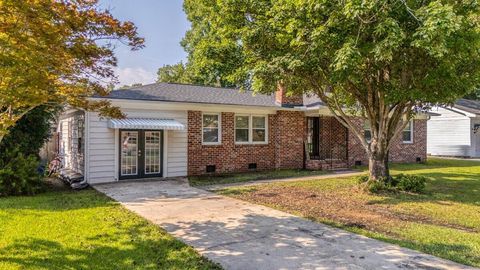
402, 182
18, 174
362, 179
411, 183
374, 186
30, 133
383, 184
19, 152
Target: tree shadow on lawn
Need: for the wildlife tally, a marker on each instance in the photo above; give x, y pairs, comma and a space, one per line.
303, 244
103, 252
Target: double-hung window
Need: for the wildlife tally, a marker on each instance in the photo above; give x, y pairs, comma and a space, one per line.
211, 133
407, 134
251, 129
367, 131
242, 125
259, 129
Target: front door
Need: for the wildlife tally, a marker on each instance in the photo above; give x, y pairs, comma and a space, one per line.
141, 153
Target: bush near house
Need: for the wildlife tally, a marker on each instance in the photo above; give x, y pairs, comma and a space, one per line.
19, 149
18, 174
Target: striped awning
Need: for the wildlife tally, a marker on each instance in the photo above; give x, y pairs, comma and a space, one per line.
145, 123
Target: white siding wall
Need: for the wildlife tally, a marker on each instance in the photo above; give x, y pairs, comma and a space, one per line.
69, 141
102, 157
449, 134
64, 126
476, 138
100, 151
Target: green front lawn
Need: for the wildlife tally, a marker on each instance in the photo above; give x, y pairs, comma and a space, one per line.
445, 221
62, 229
249, 176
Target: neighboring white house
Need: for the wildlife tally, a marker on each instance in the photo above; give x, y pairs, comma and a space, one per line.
455, 131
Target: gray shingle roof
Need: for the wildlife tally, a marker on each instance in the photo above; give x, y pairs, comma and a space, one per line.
312, 100
471, 106
201, 94
192, 93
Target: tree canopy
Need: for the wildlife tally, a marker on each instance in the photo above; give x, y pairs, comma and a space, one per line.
176, 73
53, 52
380, 60
212, 59
475, 95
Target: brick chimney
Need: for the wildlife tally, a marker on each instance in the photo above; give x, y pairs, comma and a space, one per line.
285, 99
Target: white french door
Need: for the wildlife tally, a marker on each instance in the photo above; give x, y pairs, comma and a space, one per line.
140, 153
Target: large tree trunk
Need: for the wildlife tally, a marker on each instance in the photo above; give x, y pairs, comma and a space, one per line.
387, 121
377, 168
378, 161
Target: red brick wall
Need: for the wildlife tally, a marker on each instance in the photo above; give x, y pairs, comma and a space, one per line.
333, 138
284, 148
290, 130
399, 152
408, 152
290, 100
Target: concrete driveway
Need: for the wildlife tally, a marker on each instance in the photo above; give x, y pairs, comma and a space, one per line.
241, 235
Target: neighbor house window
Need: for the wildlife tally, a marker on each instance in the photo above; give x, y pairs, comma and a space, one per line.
250, 129
367, 131
211, 128
407, 134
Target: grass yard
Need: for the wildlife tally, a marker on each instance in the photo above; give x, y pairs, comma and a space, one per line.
445, 221
62, 229
250, 176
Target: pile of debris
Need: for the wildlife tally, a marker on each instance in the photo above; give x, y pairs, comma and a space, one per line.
73, 179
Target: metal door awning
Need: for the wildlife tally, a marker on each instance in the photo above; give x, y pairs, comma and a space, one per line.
145, 123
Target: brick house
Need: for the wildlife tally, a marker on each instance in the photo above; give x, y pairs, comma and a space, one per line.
178, 130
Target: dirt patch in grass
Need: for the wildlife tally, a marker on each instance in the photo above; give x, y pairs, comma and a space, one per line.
350, 207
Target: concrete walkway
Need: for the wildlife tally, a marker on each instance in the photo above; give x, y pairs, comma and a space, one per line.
333, 174
244, 236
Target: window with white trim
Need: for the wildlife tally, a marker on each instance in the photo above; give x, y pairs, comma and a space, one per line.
407, 134
251, 129
211, 128
259, 129
367, 131
242, 125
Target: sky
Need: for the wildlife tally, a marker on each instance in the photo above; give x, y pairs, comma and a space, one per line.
162, 23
